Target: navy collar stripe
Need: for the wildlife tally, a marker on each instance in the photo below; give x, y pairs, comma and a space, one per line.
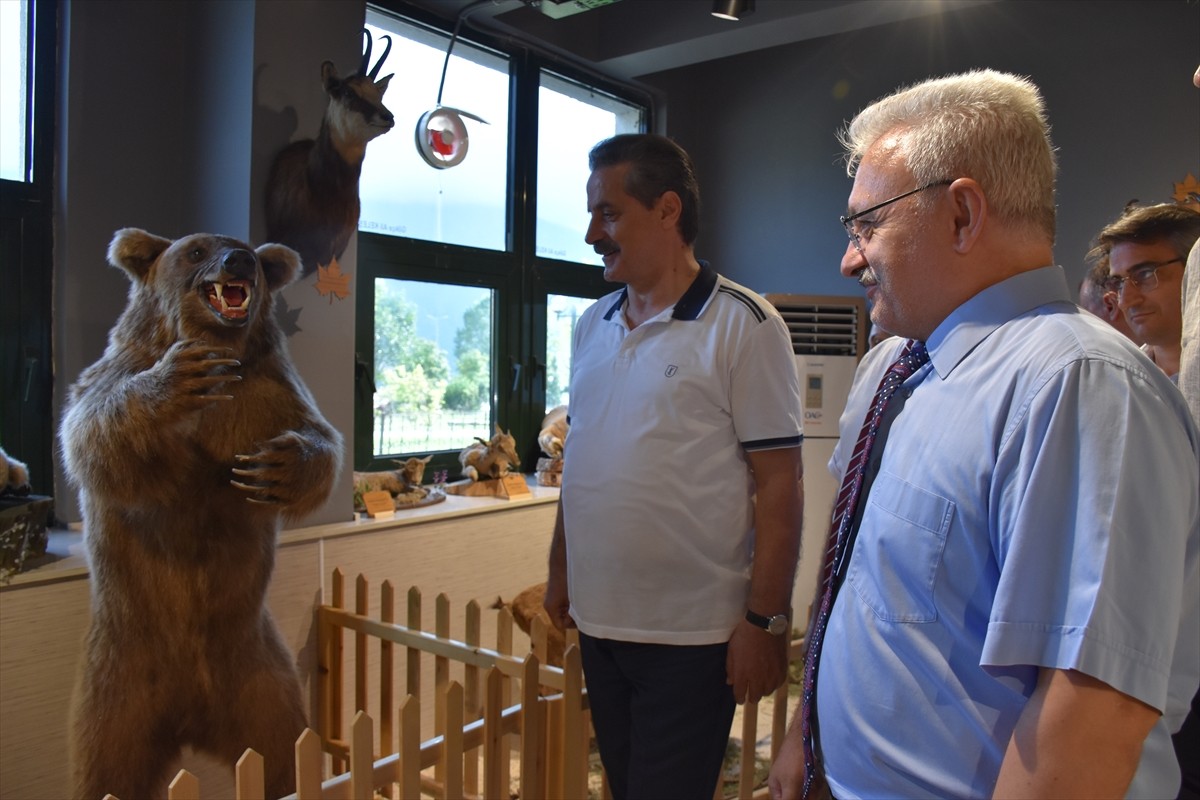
615, 307
696, 296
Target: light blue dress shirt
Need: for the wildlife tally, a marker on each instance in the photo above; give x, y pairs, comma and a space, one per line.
1036, 506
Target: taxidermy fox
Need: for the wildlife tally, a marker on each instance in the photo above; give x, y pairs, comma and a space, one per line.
312, 201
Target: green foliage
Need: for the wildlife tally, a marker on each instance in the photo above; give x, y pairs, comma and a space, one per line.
476, 331
410, 372
471, 387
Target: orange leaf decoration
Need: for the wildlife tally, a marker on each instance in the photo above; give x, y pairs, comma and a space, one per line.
1183, 191
333, 282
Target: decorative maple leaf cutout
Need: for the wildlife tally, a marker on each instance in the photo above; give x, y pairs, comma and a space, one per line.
1184, 191
333, 282
288, 318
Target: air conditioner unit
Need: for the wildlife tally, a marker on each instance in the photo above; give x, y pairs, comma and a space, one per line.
829, 336
824, 325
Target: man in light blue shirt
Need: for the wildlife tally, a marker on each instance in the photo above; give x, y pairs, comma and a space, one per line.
1019, 613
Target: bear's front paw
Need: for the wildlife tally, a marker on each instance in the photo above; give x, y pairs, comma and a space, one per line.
279, 474
190, 374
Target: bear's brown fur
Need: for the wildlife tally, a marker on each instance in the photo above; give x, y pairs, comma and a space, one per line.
188, 441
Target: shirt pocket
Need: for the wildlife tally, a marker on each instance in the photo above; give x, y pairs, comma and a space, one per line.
899, 550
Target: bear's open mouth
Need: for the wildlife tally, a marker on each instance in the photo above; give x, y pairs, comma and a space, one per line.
230, 299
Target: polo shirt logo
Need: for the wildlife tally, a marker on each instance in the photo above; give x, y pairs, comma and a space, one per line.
671, 370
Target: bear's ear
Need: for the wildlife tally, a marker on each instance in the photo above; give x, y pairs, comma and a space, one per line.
135, 251
280, 263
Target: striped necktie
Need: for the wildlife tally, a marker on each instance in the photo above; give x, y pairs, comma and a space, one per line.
912, 356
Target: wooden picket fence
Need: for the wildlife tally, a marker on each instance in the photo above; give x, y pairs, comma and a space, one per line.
477, 726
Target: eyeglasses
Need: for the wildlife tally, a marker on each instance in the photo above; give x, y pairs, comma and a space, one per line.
859, 232
1145, 277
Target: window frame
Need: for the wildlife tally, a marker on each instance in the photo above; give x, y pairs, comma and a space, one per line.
26, 267
522, 280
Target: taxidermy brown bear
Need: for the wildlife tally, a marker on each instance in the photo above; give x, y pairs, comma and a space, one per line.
189, 440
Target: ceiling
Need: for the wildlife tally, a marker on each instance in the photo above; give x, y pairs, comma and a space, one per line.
630, 38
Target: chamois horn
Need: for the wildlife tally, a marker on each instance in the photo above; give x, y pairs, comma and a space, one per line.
387, 48
366, 60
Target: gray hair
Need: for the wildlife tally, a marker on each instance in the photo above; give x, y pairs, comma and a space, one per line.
985, 125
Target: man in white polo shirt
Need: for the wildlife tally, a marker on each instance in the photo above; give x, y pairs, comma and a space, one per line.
679, 521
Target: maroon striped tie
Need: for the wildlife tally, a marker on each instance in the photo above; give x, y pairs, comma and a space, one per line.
912, 356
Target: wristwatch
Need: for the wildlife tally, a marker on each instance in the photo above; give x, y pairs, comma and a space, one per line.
776, 625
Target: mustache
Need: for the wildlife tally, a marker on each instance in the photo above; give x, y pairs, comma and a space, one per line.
605, 247
866, 277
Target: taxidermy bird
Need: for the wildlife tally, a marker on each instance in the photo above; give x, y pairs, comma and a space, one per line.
312, 201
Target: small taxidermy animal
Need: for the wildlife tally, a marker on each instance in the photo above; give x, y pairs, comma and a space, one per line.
527, 606
312, 203
14, 476
394, 481
554, 432
490, 459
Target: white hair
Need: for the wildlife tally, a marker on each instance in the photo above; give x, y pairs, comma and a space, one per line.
985, 125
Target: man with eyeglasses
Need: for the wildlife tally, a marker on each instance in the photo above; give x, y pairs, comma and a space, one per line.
1146, 248
1012, 607
1095, 296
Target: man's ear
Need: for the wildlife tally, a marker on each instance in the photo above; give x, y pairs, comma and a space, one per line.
970, 212
670, 207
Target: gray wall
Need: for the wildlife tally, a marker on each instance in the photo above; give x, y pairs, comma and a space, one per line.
761, 126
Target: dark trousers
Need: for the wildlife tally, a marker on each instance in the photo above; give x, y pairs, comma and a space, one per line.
662, 715
1187, 750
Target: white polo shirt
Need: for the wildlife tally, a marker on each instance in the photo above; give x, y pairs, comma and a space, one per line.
656, 488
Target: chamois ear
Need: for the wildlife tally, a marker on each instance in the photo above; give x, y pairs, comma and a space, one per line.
135, 251
382, 83
329, 76
281, 265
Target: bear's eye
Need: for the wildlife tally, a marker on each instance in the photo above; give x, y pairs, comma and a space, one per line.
196, 255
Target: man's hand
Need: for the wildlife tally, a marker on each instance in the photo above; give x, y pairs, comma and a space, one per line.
756, 664
558, 604
558, 599
786, 780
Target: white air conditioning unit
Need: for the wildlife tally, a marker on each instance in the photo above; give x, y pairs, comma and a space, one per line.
823, 324
829, 336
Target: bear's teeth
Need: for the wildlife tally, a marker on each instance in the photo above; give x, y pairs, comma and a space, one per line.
216, 295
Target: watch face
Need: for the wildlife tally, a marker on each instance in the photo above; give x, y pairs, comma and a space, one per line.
778, 624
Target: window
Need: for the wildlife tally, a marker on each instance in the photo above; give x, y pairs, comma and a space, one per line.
433, 375
562, 312
471, 278
27, 58
15, 99
402, 195
571, 118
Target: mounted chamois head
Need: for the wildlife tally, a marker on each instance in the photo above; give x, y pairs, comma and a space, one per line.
312, 201
356, 113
